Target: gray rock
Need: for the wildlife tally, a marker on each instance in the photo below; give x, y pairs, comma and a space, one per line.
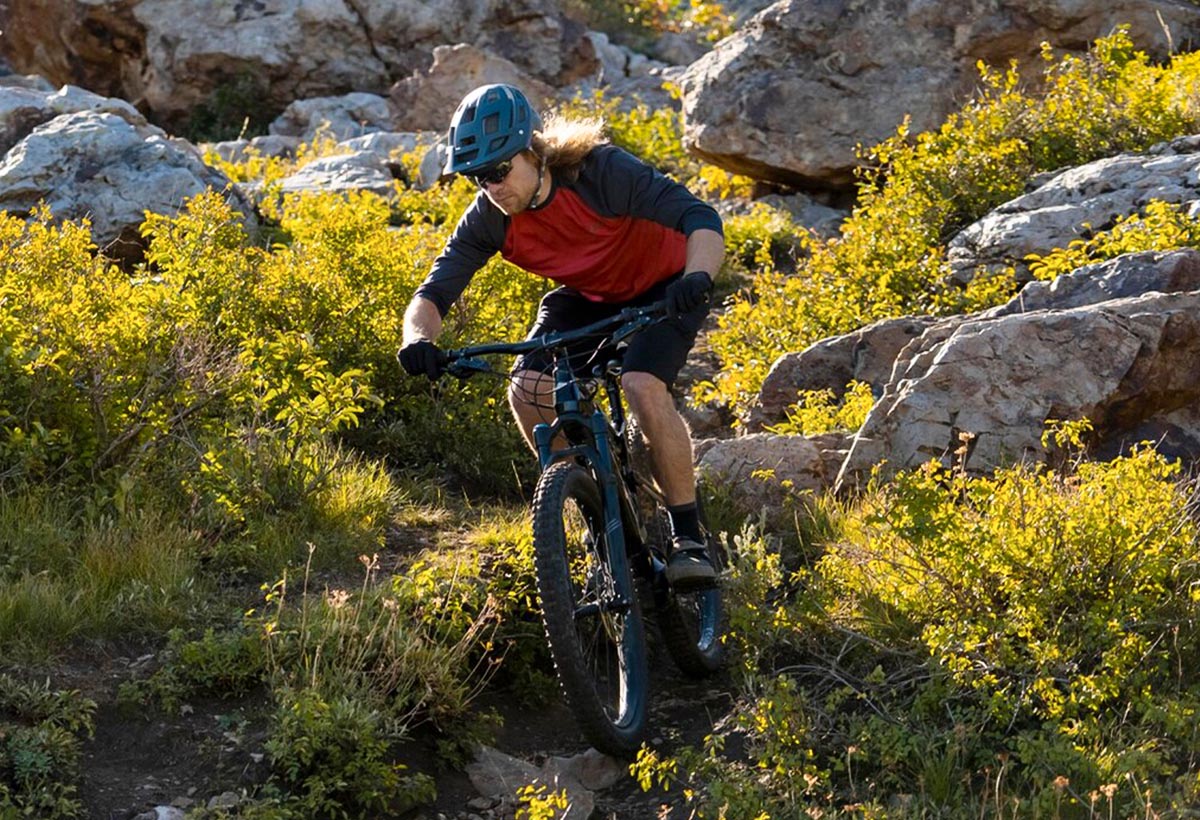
1074, 203
338, 118
24, 108
497, 775
101, 166
790, 94
360, 171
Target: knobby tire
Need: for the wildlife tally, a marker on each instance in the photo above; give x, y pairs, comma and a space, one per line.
691, 624
599, 653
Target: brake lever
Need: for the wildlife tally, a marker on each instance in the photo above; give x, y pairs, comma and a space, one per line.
467, 367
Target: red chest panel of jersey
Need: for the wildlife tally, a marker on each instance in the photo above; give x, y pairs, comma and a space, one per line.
607, 259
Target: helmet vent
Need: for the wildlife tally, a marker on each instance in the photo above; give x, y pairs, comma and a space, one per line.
491, 124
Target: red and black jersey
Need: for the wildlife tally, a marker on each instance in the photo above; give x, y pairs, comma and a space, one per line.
618, 229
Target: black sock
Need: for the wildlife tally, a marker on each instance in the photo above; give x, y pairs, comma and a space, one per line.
685, 522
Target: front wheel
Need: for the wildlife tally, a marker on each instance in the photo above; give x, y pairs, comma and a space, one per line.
592, 619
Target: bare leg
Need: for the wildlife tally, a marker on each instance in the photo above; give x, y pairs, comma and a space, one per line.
531, 397
666, 436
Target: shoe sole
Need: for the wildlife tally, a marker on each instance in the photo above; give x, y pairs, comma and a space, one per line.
692, 581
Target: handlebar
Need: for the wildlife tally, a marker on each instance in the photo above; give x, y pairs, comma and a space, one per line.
466, 362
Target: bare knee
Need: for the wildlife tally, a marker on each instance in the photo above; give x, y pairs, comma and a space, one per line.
527, 389
645, 391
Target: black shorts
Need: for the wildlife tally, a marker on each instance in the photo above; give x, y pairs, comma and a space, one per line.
660, 349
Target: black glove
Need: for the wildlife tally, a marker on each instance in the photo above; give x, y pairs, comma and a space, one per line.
422, 357
688, 292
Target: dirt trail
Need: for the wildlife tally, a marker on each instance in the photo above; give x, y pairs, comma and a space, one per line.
142, 759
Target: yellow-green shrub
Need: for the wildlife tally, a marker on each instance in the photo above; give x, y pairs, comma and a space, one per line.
1021, 641
819, 411
1161, 226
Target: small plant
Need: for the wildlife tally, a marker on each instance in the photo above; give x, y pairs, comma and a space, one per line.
331, 757
536, 802
819, 411
40, 731
217, 664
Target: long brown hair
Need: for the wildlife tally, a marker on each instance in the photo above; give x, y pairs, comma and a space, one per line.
564, 142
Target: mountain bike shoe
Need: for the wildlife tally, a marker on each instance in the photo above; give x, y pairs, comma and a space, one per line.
689, 568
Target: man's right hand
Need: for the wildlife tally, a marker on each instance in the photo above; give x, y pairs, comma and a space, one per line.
422, 357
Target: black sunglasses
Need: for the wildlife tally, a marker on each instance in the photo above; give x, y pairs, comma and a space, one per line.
492, 176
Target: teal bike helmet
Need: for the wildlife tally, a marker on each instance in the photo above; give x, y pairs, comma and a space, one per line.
492, 123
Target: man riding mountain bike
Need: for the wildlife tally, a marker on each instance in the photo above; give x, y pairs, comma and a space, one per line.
561, 202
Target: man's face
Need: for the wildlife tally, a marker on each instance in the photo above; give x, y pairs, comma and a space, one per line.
510, 191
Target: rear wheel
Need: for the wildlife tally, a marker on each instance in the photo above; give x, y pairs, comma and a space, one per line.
594, 629
691, 623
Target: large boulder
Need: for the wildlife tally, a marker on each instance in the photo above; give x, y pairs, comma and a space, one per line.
789, 96
985, 386
97, 159
172, 57
425, 100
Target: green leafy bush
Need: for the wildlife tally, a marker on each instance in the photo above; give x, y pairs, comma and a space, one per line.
1018, 644
331, 757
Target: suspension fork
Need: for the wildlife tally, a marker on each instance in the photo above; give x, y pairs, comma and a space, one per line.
592, 434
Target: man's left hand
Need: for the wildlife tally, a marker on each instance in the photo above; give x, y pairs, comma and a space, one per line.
687, 293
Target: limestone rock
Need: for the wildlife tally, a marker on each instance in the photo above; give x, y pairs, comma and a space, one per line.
102, 166
789, 96
1077, 203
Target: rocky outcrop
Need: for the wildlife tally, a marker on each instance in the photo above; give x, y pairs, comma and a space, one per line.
865, 355
171, 57
1077, 203
789, 96
96, 158
989, 383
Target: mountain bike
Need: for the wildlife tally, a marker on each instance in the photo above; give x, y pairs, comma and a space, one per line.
599, 524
